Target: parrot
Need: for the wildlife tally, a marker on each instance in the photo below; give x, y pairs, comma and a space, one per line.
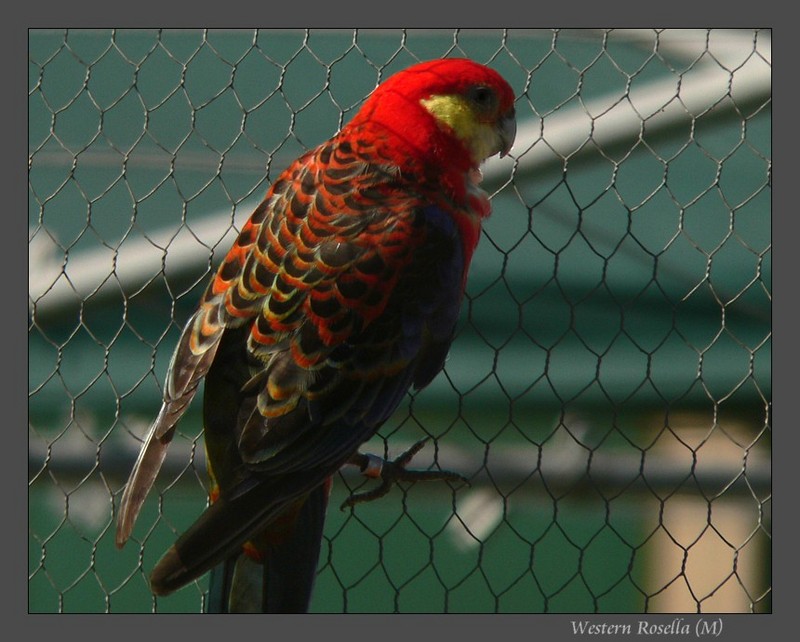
340, 294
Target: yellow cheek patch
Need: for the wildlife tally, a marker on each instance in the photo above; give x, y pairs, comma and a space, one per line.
457, 113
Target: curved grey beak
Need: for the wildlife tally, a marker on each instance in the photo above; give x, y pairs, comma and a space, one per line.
507, 128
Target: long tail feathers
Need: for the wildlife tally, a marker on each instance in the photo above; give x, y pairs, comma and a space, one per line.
291, 567
236, 586
284, 582
142, 477
231, 520
188, 366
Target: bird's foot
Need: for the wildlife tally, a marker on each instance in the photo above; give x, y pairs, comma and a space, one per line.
391, 472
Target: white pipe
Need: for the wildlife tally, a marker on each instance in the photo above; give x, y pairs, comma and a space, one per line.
53, 283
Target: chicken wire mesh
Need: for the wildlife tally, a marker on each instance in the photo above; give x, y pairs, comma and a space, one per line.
608, 391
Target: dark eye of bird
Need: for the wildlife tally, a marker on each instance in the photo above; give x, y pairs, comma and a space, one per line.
483, 96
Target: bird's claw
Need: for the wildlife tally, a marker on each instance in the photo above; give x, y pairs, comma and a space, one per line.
391, 472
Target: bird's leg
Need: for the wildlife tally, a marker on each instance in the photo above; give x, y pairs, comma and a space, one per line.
391, 472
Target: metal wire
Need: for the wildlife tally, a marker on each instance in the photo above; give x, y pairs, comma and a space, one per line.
608, 394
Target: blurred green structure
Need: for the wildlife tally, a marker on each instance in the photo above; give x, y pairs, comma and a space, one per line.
608, 394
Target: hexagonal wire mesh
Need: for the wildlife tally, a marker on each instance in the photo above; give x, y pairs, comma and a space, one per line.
608, 392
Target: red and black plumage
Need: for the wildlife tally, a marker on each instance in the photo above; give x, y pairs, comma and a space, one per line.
340, 293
